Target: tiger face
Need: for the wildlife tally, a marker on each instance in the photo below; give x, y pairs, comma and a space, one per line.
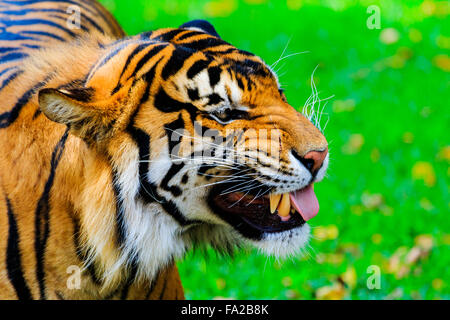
202, 144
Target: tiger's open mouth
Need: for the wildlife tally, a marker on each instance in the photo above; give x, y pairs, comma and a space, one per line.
253, 215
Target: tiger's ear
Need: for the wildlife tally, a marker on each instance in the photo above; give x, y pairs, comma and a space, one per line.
73, 107
201, 25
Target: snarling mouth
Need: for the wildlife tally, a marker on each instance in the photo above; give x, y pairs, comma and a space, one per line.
253, 215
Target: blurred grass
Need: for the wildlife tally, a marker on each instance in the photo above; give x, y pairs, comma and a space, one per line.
386, 200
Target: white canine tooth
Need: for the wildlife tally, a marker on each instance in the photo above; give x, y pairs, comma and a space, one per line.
274, 201
285, 205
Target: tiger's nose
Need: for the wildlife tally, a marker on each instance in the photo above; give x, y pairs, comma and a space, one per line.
314, 159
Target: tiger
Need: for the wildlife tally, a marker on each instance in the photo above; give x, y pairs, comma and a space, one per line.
122, 153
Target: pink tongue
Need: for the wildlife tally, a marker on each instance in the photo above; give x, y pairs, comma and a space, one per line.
305, 202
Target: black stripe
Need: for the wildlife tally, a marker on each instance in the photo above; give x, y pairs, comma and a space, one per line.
254, 67
8, 117
136, 50
205, 167
163, 102
189, 34
148, 191
154, 282
149, 77
163, 289
196, 68
42, 33
42, 223
13, 258
240, 83
174, 132
107, 58
82, 254
7, 69
10, 36
129, 282
120, 211
150, 54
214, 98
169, 35
203, 44
10, 78
65, 13
174, 169
31, 46
88, 5
176, 61
221, 52
8, 49
13, 56
150, 74
214, 75
29, 22
97, 9
150, 289
193, 94
64, 19
172, 209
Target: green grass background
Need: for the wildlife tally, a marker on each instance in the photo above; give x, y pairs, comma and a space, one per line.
386, 199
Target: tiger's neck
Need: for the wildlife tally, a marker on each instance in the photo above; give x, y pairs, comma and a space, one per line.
122, 236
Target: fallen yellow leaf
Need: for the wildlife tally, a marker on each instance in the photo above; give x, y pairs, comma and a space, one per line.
423, 170
444, 153
219, 8
354, 144
442, 61
372, 201
333, 292
425, 241
220, 283
349, 277
437, 284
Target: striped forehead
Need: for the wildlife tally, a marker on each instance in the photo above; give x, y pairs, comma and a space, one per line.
204, 66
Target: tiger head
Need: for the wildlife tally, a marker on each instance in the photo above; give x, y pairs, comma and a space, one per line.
201, 144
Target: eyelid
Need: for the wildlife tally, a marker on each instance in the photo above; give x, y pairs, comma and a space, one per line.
215, 117
222, 109
231, 113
